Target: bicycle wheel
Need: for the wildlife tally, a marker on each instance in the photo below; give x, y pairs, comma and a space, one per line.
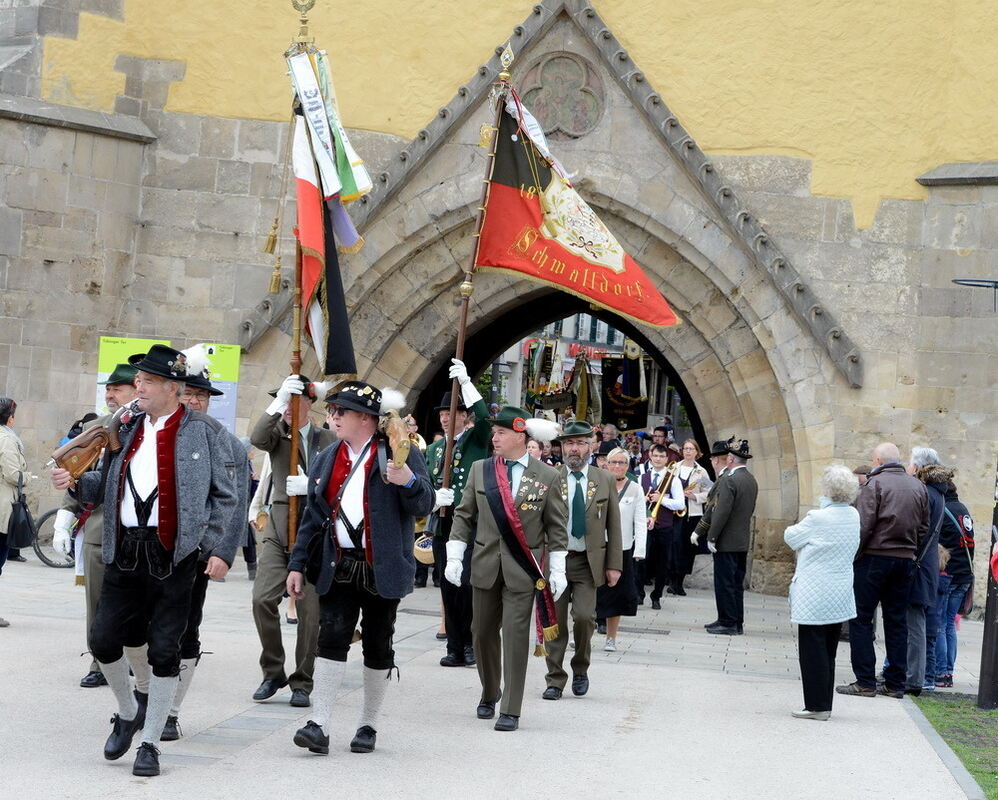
44, 531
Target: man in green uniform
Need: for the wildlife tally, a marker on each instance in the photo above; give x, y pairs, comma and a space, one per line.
119, 390
469, 446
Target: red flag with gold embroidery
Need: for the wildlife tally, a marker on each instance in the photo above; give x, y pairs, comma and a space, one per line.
536, 225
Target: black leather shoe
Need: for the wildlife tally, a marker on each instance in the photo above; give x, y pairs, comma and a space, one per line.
552, 693
601, 628
679, 590
120, 740
713, 624
452, 660
420, 584
656, 605
487, 708
725, 630
469, 656
507, 722
580, 685
19, 558
171, 730
312, 738
146, 761
669, 590
269, 688
142, 700
93, 679
363, 741
299, 698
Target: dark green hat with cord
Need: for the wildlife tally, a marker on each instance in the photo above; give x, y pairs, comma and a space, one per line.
123, 375
575, 430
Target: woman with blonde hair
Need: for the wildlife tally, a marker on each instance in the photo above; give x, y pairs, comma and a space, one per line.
621, 599
696, 484
821, 592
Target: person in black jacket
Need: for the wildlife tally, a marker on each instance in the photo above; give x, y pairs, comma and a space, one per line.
355, 540
957, 536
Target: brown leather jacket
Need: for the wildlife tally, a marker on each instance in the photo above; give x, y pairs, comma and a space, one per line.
893, 513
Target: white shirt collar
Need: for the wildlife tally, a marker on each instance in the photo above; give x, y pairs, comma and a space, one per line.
355, 454
523, 460
584, 470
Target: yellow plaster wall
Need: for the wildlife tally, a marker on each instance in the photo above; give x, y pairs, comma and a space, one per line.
874, 93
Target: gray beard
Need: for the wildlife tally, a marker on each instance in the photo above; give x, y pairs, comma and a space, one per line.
575, 463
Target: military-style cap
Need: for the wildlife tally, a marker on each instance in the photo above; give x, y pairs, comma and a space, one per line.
575, 430
123, 375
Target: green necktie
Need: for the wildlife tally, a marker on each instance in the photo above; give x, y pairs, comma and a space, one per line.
509, 471
578, 508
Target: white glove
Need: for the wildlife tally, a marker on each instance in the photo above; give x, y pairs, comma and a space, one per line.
292, 385
712, 547
558, 581
694, 539
297, 485
443, 497
459, 372
455, 561
62, 539
469, 392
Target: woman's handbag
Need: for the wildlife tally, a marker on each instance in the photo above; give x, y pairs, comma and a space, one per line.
20, 527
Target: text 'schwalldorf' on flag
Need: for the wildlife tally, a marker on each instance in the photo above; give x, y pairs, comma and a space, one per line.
537, 225
328, 175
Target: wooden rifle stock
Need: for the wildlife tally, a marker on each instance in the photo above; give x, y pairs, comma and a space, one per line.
79, 454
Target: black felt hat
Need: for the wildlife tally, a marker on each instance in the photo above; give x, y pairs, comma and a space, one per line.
201, 382
721, 448
357, 396
741, 449
445, 403
163, 361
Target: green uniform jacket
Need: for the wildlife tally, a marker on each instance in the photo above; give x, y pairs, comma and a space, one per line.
603, 541
471, 446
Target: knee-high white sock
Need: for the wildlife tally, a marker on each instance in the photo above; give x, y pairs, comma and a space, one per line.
161, 693
187, 666
375, 686
138, 660
121, 685
326, 680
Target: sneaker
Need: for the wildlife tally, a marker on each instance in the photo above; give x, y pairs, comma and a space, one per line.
611, 645
928, 687
897, 694
856, 690
820, 716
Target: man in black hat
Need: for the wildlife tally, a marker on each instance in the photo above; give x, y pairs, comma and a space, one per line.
729, 536
272, 435
513, 515
355, 542
167, 493
595, 556
119, 390
469, 446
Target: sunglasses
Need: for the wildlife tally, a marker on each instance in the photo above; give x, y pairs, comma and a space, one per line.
338, 412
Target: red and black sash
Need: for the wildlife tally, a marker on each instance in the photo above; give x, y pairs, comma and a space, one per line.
500, 496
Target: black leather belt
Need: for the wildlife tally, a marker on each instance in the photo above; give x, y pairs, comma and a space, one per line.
356, 553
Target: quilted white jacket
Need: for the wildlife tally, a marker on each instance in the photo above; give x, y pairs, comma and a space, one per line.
826, 541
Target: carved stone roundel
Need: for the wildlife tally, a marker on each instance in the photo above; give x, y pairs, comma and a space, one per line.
565, 94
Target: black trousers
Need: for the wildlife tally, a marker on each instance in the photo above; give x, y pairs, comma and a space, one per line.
729, 587
456, 599
882, 580
136, 608
190, 644
352, 597
816, 646
657, 560
249, 549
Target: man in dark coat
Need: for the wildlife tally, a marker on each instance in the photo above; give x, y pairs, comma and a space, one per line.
729, 538
357, 534
893, 520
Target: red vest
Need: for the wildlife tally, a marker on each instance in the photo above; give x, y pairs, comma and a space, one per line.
166, 450
341, 468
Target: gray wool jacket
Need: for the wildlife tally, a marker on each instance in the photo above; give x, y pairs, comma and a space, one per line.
207, 497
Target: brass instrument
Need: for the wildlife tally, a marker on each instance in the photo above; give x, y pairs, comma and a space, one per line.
671, 472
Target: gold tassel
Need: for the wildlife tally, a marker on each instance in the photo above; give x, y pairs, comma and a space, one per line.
81, 580
550, 634
275, 277
271, 244
540, 650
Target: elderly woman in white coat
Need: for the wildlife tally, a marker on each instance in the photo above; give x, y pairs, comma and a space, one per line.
621, 599
821, 592
12, 469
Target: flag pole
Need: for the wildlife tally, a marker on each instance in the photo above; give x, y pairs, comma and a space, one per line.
467, 287
300, 44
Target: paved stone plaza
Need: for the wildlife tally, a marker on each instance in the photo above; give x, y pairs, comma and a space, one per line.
675, 711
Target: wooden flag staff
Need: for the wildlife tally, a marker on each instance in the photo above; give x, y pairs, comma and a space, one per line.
467, 287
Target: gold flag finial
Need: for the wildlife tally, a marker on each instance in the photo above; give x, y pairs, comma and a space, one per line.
506, 60
303, 7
